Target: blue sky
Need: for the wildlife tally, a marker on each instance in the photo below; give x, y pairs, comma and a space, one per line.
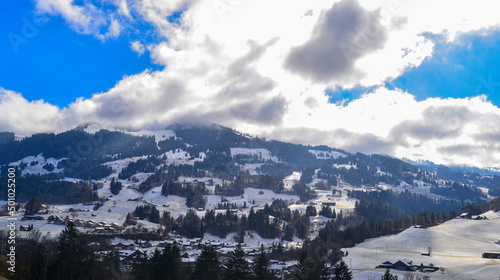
415, 81
462, 69
466, 68
59, 65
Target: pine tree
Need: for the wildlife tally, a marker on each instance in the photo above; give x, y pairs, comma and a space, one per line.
74, 259
172, 257
207, 266
310, 268
260, 268
388, 276
341, 271
237, 266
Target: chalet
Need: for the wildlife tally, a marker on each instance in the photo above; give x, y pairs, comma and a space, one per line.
94, 246
491, 255
465, 216
28, 228
405, 265
478, 217
117, 246
99, 229
130, 246
328, 203
89, 224
281, 269
101, 224
128, 259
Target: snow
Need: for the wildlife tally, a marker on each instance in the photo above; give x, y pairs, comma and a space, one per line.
291, 180
251, 168
326, 154
158, 134
118, 165
346, 166
456, 245
181, 157
264, 153
38, 168
368, 275
268, 196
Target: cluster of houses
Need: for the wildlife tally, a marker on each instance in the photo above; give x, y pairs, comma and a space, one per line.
407, 265
190, 250
98, 227
471, 217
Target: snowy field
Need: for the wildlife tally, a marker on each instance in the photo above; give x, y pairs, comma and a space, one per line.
326, 154
289, 181
456, 245
37, 168
158, 134
264, 153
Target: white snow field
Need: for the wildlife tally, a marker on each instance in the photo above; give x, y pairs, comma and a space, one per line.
456, 245
39, 161
326, 154
264, 153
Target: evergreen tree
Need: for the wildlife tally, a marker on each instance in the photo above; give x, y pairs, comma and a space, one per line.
388, 276
191, 225
33, 206
260, 268
310, 268
115, 186
341, 271
172, 257
237, 267
74, 259
207, 266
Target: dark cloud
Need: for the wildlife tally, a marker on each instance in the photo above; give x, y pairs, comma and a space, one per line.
340, 138
461, 150
269, 112
364, 142
241, 80
342, 35
437, 123
311, 102
398, 22
131, 101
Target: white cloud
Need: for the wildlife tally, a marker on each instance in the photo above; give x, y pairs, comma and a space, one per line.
26, 117
86, 19
138, 47
226, 62
123, 8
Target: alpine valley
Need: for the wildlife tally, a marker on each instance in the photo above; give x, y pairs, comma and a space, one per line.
167, 204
